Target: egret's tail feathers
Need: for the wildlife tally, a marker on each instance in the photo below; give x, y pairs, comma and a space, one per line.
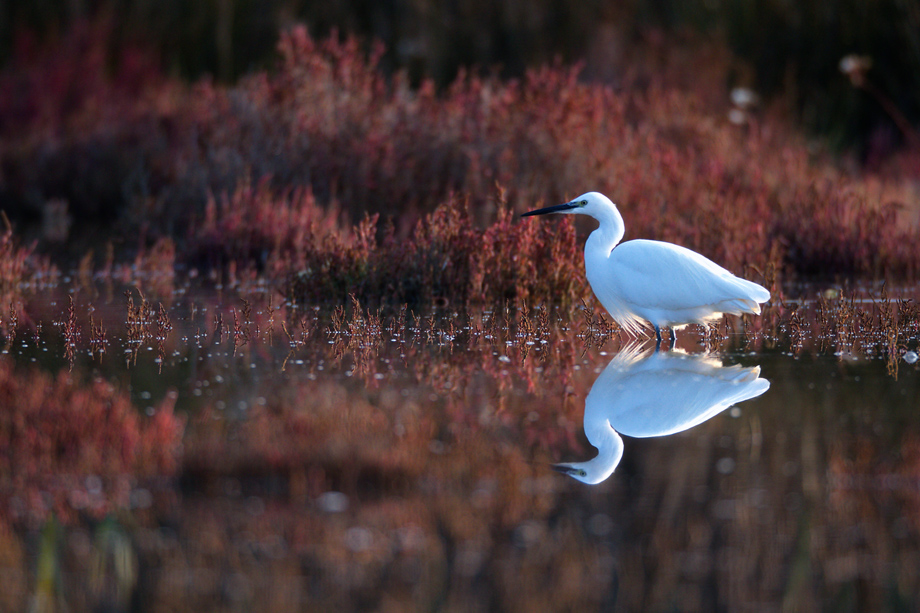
753, 291
739, 306
750, 295
753, 306
738, 374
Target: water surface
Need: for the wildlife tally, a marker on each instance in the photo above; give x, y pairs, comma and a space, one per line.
400, 460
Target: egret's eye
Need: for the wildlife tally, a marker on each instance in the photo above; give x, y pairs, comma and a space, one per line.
583, 473
583, 203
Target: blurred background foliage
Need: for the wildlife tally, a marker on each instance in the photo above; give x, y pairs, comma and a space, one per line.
788, 51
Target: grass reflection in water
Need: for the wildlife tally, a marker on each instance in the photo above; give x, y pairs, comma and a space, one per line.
390, 459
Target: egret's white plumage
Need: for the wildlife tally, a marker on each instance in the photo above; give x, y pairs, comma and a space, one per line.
662, 283
648, 394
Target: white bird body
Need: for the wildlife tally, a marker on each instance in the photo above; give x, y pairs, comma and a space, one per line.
659, 394
662, 283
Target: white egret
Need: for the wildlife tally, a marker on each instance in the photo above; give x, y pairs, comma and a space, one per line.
668, 285
643, 396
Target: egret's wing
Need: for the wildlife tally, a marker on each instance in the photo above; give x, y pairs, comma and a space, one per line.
664, 395
667, 276
692, 400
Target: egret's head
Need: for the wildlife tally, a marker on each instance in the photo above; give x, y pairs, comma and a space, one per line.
609, 454
572, 469
589, 472
592, 203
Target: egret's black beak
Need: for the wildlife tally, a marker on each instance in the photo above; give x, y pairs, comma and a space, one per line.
562, 468
558, 208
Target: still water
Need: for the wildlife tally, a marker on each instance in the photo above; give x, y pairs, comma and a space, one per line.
513, 459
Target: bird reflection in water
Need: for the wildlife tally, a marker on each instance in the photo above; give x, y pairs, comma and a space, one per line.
644, 394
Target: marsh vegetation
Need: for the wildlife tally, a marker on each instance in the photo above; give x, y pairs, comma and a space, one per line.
285, 342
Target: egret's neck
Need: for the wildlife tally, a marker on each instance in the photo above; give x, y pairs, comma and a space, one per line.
609, 232
601, 434
609, 449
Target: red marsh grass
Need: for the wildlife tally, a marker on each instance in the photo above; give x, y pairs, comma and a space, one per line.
20, 266
445, 260
287, 171
59, 436
12, 263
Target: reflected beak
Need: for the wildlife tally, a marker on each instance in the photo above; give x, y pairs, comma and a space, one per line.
562, 468
559, 208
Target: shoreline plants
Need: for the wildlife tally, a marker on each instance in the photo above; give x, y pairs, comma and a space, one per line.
330, 177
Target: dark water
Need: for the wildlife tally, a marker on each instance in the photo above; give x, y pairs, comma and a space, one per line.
373, 460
